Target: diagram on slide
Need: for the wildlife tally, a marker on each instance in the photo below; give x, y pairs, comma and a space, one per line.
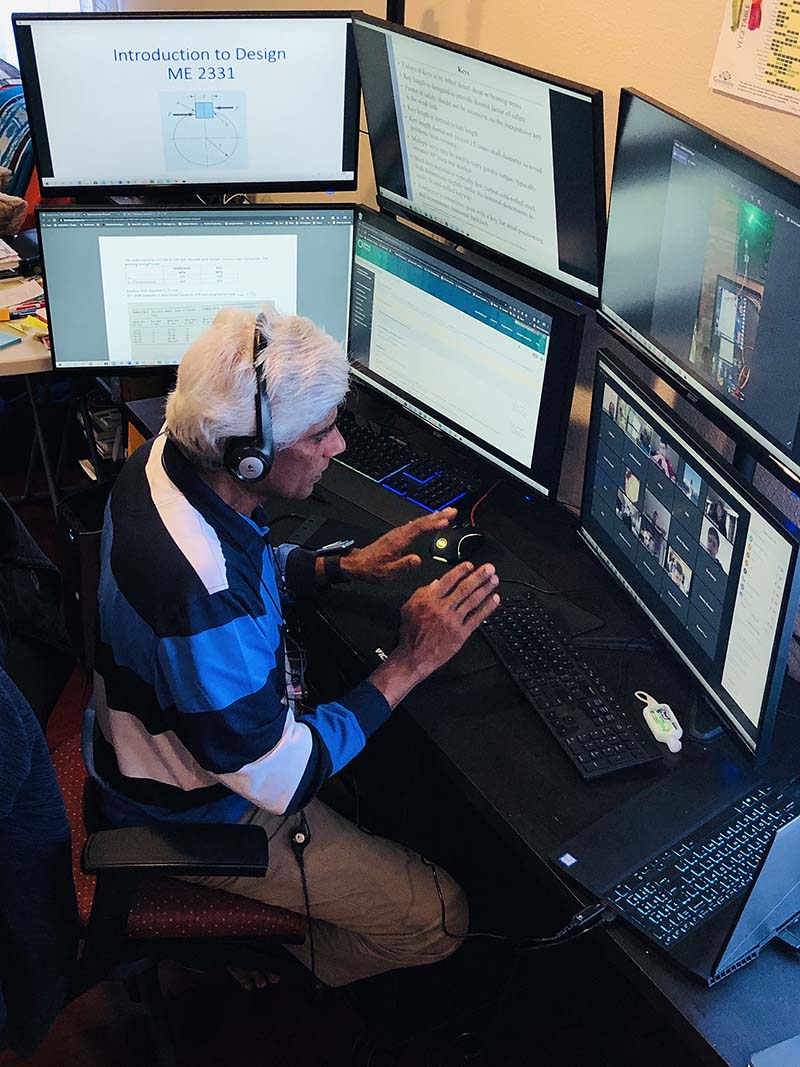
206, 129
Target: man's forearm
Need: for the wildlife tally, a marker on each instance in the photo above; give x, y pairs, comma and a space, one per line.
396, 677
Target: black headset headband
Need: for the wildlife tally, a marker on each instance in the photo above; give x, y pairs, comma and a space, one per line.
263, 436
249, 459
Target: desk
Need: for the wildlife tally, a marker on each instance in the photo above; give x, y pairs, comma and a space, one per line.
28, 357
501, 758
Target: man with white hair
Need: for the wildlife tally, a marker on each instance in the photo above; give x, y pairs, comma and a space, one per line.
192, 719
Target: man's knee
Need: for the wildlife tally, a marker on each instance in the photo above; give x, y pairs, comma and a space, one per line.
444, 920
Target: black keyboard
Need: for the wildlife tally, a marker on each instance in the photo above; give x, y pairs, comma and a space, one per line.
401, 469
692, 880
577, 707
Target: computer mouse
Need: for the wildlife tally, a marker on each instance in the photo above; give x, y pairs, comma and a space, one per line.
456, 543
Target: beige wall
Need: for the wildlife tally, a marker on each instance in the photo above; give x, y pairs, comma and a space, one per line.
372, 7
663, 49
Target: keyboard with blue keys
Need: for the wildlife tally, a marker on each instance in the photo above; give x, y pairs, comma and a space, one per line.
400, 468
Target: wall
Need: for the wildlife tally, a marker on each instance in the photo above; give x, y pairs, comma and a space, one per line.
662, 49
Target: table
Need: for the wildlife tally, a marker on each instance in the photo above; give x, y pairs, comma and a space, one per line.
28, 357
511, 772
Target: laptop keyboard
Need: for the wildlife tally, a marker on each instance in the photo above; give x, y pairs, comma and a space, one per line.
394, 464
575, 704
693, 879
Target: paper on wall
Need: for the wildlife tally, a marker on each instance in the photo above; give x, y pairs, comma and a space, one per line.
758, 53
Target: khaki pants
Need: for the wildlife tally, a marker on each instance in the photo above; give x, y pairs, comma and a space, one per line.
374, 905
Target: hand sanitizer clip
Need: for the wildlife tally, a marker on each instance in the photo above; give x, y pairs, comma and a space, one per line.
661, 721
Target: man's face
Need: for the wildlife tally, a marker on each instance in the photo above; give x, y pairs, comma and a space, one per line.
712, 544
297, 469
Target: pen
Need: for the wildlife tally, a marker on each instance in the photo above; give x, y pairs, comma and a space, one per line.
335, 547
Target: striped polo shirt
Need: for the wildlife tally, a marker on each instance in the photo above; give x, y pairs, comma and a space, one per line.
191, 719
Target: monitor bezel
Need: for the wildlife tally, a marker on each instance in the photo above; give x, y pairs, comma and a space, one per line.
118, 369
461, 240
351, 130
569, 316
690, 385
790, 603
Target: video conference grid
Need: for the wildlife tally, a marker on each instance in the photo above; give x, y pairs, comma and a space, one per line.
664, 517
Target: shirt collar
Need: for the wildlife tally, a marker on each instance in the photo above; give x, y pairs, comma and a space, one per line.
242, 532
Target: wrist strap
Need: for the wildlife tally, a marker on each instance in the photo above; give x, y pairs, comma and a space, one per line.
332, 569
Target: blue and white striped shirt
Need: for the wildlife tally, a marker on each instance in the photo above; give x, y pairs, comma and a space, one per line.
191, 718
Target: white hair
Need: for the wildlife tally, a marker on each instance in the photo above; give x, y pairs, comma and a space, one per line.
305, 371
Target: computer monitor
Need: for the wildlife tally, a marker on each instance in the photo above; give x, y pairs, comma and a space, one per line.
479, 358
497, 156
702, 258
240, 100
133, 287
713, 566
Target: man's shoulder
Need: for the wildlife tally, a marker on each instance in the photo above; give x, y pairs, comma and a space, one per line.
165, 557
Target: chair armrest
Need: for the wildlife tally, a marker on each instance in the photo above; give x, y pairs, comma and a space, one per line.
179, 848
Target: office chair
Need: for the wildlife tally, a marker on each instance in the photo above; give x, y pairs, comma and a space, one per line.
133, 916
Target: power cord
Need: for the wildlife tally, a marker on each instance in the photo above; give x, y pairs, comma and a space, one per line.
549, 592
481, 499
529, 585
589, 918
582, 922
300, 840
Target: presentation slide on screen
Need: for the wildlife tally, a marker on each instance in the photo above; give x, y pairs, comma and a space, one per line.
160, 293
204, 100
471, 373
477, 146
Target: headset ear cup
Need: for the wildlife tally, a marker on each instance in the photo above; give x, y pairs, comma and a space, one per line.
245, 461
251, 466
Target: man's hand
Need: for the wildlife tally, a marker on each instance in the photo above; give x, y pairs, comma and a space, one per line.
435, 623
388, 556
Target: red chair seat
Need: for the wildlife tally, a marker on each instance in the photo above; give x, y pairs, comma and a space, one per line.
166, 907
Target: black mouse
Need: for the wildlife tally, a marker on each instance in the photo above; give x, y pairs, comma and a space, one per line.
456, 543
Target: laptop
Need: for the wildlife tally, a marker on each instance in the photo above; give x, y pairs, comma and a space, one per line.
710, 898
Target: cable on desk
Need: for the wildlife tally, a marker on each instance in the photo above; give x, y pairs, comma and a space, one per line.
529, 585
589, 918
481, 499
623, 660
576, 508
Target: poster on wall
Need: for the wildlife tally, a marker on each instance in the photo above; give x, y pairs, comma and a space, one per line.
758, 53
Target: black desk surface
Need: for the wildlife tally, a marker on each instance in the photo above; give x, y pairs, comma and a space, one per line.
502, 758
146, 415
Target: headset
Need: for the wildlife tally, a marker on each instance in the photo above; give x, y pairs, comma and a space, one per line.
250, 459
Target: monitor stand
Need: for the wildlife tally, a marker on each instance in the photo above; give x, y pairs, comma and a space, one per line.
744, 462
699, 729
